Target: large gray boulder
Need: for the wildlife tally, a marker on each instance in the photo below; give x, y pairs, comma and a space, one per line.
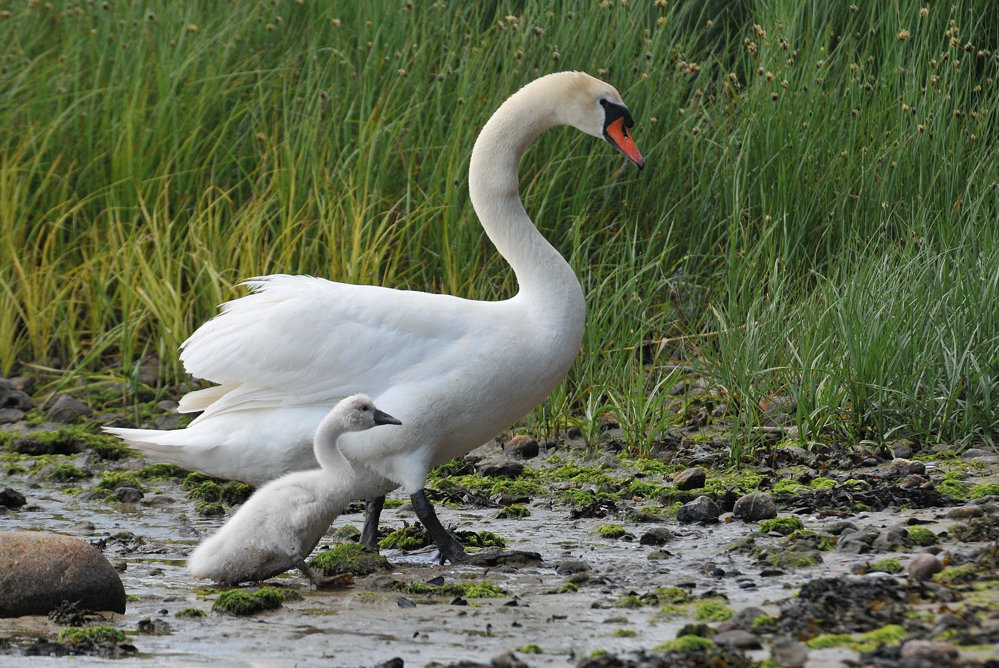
38, 571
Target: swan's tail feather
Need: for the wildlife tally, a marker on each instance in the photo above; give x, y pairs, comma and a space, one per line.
159, 445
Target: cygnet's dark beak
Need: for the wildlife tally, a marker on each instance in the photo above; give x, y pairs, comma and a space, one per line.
382, 417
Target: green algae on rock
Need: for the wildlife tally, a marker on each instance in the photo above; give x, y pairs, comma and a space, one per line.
351, 558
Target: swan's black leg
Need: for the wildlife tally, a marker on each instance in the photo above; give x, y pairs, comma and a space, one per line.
449, 547
372, 511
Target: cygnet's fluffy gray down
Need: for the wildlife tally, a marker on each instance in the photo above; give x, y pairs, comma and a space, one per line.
280, 525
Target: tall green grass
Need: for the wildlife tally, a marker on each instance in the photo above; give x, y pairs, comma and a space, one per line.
817, 219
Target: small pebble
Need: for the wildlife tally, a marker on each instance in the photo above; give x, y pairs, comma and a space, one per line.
755, 507
701, 509
789, 653
927, 649
923, 566
693, 478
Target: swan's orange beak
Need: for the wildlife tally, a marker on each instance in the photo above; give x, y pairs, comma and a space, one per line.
617, 134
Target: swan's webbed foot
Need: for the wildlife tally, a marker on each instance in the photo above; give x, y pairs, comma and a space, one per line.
372, 512
448, 546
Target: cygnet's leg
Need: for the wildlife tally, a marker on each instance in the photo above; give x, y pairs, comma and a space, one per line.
449, 547
372, 511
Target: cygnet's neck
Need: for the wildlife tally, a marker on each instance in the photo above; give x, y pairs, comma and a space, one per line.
325, 447
546, 280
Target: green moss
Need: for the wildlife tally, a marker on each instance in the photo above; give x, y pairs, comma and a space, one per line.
235, 492
822, 483
651, 467
672, 595
827, 640
407, 538
885, 566
66, 473
954, 488
530, 648
611, 530
68, 441
394, 503
625, 633
922, 536
515, 511
189, 613
583, 497
241, 602
484, 589
209, 509
481, 539
112, 480
687, 643
631, 601
891, 634
787, 486
161, 471
348, 558
984, 489
764, 621
568, 588
782, 525
713, 610
75, 635
205, 491
648, 490
956, 575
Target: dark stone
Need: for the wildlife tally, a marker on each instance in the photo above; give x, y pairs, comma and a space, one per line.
128, 494
66, 408
701, 509
656, 536
11, 498
506, 469
521, 447
39, 571
504, 558
755, 507
693, 478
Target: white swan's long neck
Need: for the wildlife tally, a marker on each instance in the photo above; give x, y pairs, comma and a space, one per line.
546, 280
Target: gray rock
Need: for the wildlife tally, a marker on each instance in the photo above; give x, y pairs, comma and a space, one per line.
11, 396
11, 498
67, 409
965, 512
570, 566
39, 571
755, 507
521, 446
789, 653
701, 509
743, 619
941, 652
10, 415
923, 566
690, 479
737, 639
902, 448
889, 539
656, 536
904, 467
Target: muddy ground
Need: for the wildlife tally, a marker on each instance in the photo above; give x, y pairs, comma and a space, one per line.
596, 599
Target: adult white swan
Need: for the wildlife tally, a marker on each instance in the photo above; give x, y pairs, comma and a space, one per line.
456, 372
